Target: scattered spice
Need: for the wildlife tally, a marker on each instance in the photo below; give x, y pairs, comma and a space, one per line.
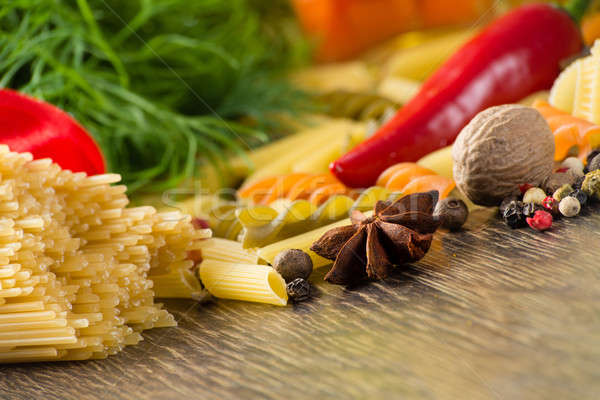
557, 180
541, 221
562, 192
529, 209
298, 290
574, 165
453, 213
580, 196
534, 195
513, 215
569, 206
292, 264
593, 161
591, 184
397, 233
551, 205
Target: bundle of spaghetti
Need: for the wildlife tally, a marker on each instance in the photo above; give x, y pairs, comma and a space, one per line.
75, 264
569, 131
411, 178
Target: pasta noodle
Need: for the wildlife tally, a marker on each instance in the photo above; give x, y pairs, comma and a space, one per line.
256, 283
76, 267
259, 226
357, 105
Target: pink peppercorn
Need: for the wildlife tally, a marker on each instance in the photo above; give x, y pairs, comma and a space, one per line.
549, 203
541, 220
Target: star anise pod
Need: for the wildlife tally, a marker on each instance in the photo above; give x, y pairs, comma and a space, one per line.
399, 232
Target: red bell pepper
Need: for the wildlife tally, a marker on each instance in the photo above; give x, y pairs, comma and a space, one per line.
515, 56
30, 125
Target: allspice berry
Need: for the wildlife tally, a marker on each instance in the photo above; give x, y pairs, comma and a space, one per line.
293, 264
452, 212
501, 148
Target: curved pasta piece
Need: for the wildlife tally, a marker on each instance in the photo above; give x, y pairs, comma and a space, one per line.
317, 188
576, 90
569, 131
430, 182
355, 105
412, 178
302, 216
405, 175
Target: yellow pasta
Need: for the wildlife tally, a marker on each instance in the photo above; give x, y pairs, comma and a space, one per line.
247, 282
76, 266
577, 89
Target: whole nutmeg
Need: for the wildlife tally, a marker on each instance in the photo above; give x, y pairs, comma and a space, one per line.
500, 149
453, 213
293, 264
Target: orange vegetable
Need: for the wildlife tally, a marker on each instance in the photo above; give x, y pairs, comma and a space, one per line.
343, 28
412, 178
569, 131
430, 182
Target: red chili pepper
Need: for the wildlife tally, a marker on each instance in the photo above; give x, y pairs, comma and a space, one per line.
30, 125
515, 56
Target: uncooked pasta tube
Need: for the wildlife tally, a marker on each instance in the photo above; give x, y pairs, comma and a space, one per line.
248, 282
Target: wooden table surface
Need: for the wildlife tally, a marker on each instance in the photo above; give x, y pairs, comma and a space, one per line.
489, 313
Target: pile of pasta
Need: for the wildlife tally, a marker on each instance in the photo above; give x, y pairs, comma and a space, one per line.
76, 265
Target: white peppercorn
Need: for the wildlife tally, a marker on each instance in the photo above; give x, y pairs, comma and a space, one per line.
534, 195
574, 165
569, 206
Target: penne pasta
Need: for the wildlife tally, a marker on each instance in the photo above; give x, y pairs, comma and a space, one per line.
247, 282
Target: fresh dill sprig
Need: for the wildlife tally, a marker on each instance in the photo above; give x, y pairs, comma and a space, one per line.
161, 84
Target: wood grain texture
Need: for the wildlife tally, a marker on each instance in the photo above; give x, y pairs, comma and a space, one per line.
489, 313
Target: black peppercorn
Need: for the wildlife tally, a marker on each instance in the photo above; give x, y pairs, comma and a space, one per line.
580, 196
578, 183
529, 209
298, 289
591, 156
452, 212
594, 163
292, 264
513, 215
506, 202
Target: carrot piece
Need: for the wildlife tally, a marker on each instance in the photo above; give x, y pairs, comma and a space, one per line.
305, 187
568, 130
320, 195
430, 182
387, 174
405, 175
